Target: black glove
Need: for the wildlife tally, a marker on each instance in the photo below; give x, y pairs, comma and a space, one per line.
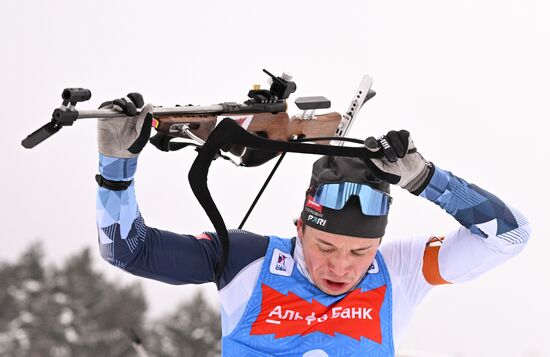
126, 136
399, 162
128, 105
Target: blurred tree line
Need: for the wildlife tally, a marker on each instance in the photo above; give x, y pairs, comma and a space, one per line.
72, 310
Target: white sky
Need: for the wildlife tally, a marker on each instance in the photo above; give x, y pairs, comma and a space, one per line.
469, 79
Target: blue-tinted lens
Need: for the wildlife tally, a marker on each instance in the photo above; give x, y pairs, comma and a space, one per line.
335, 196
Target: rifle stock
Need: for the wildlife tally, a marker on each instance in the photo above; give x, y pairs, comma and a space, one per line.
276, 126
273, 126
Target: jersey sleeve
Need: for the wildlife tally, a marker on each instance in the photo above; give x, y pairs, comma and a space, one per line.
127, 242
491, 231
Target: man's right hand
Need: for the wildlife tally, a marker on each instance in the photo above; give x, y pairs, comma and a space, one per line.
125, 136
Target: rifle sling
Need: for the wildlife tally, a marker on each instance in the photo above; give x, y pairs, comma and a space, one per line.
257, 198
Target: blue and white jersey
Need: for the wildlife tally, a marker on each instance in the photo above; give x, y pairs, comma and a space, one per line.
259, 267
286, 315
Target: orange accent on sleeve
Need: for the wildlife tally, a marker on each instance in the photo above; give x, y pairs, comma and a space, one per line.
430, 265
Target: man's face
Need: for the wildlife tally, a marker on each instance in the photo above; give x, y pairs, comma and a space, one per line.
336, 263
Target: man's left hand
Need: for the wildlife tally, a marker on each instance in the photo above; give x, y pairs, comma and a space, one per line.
399, 162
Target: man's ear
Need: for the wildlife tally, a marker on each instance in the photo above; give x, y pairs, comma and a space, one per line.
299, 227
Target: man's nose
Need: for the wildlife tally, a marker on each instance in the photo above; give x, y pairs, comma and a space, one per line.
339, 265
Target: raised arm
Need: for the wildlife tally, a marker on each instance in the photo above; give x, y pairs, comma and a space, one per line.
490, 231
128, 243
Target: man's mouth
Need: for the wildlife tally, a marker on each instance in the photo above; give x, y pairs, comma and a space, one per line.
334, 285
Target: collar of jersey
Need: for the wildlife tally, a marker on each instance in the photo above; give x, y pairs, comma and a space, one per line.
300, 261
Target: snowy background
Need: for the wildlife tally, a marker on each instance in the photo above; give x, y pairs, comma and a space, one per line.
469, 79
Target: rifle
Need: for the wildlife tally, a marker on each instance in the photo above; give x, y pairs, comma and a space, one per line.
263, 114
254, 132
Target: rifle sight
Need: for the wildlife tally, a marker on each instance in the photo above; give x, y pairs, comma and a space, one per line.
74, 95
281, 87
